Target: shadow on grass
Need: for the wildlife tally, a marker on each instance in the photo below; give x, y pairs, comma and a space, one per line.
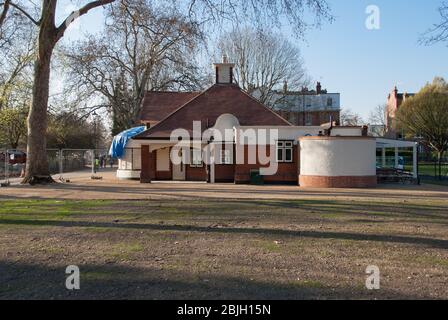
428, 242
27, 281
210, 191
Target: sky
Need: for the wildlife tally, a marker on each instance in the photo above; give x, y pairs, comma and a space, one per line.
363, 65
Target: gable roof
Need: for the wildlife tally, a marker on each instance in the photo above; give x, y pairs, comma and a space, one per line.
209, 105
157, 105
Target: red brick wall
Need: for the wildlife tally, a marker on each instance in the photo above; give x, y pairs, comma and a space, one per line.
164, 175
196, 174
287, 172
224, 173
337, 182
148, 165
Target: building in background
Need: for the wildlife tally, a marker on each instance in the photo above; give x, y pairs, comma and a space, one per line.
308, 107
394, 101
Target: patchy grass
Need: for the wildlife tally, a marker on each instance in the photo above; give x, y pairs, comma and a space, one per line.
219, 249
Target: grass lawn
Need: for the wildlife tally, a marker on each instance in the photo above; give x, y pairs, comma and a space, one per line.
219, 249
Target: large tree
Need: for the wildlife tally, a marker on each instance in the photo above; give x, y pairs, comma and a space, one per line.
426, 116
142, 47
264, 61
49, 34
67, 130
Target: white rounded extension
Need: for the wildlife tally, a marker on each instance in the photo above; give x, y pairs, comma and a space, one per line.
337, 162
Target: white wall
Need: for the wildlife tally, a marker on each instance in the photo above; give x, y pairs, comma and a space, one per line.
344, 132
338, 157
163, 159
263, 134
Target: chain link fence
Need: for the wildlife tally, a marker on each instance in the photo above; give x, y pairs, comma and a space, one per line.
64, 162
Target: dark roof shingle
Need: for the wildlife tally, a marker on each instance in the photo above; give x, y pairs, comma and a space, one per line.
209, 105
158, 105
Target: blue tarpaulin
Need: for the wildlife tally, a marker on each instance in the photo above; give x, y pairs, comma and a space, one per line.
117, 149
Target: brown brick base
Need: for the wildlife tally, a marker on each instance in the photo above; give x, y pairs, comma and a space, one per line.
337, 182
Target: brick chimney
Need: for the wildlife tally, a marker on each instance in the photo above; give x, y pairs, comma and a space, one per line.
319, 88
224, 71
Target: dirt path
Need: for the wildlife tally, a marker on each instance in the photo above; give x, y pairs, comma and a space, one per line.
83, 188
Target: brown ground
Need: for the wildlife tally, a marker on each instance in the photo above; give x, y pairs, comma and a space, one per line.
199, 241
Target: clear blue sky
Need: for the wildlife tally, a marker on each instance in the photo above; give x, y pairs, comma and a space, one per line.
363, 65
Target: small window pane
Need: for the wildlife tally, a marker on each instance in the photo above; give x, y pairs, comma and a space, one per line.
226, 157
288, 157
280, 155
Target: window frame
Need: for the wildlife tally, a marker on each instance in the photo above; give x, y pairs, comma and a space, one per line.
192, 162
284, 146
225, 157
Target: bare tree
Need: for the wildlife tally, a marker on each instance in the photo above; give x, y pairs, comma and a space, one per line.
142, 48
350, 118
49, 35
264, 61
439, 31
264, 14
378, 116
4, 12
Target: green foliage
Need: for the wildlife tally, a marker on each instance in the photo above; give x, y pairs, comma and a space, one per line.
67, 130
426, 115
13, 126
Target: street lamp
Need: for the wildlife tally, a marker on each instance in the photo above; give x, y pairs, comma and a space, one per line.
95, 133
95, 123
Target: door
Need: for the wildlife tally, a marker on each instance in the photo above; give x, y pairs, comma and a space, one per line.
179, 173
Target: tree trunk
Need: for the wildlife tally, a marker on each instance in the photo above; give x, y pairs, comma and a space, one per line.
37, 170
439, 163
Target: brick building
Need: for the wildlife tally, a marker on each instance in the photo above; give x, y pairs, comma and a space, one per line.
225, 135
308, 107
394, 101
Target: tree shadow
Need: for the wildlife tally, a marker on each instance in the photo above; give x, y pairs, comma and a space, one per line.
117, 282
428, 242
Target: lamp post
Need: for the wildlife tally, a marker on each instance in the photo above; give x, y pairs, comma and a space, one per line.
95, 133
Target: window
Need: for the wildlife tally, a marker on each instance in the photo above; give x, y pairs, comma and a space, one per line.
309, 119
285, 151
226, 157
196, 158
329, 102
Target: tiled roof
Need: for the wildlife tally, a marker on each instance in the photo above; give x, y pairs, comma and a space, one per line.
209, 105
158, 105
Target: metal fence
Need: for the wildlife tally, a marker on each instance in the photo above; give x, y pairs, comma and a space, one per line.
9, 169
63, 161
430, 170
